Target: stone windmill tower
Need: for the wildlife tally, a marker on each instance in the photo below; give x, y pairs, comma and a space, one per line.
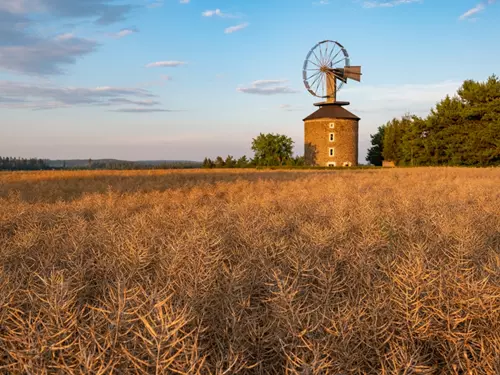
331, 133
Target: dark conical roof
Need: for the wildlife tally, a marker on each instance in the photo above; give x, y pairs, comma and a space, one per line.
332, 110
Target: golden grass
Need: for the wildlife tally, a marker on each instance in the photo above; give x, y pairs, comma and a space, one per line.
231, 272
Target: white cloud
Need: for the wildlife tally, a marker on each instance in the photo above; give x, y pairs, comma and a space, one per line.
211, 13
170, 64
123, 32
478, 8
184, 1
218, 13
268, 82
388, 4
267, 87
141, 110
233, 29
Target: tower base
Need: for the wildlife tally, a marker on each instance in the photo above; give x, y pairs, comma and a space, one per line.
331, 136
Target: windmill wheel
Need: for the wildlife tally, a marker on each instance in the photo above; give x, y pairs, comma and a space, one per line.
320, 61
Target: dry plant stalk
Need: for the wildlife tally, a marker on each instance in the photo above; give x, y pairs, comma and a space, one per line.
231, 272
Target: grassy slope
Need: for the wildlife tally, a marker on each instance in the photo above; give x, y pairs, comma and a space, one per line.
359, 272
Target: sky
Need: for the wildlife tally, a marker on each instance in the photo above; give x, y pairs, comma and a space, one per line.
186, 79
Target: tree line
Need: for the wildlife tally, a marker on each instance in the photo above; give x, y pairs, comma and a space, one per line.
125, 165
269, 150
21, 164
463, 130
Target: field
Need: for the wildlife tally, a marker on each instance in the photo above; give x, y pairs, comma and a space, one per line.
250, 272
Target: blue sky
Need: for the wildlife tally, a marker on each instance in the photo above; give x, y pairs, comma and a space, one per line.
185, 79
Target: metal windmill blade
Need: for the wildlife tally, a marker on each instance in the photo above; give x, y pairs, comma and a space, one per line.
327, 68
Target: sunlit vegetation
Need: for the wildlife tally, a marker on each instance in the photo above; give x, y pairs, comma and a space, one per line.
463, 130
250, 272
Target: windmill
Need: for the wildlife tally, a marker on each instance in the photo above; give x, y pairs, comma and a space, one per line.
327, 68
331, 133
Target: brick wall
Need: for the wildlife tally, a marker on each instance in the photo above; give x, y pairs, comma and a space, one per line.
317, 141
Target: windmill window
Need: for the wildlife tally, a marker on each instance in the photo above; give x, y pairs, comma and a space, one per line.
332, 137
332, 164
332, 125
331, 151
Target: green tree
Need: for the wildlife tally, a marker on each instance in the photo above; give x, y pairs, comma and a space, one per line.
208, 163
460, 130
272, 149
21, 164
219, 162
374, 155
393, 133
230, 162
242, 162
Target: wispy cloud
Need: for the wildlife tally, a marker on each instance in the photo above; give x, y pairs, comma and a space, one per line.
390, 100
165, 64
123, 33
141, 110
26, 51
103, 12
21, 95
142, 103
475, 10
388, 4
290, 108
156, 4
217, 13
233, 29
268, 82
44, 56
268, 87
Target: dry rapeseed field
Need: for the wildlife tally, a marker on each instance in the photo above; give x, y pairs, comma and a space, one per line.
248, 272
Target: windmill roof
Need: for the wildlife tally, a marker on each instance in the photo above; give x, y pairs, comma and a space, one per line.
332, 111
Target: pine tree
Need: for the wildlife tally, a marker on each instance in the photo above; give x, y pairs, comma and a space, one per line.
460, 130
219, 162
374, 155
230, 162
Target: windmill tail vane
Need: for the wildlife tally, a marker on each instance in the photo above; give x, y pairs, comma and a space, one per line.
351, 72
